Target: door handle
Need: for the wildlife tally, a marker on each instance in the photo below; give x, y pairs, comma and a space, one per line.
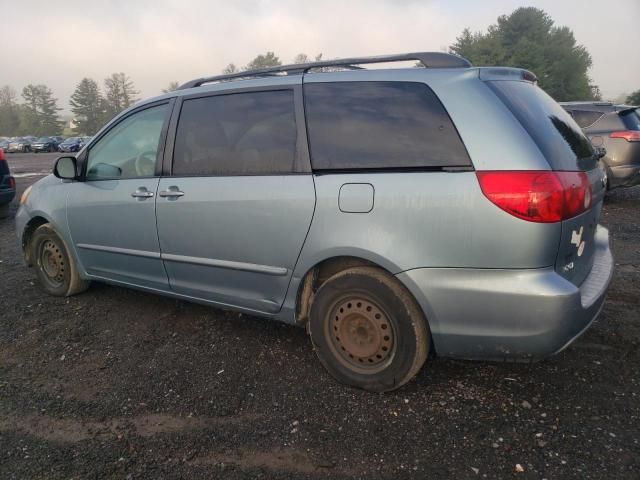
142, 193
171, 192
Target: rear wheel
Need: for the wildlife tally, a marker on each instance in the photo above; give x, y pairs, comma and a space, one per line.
55, 268
367, 330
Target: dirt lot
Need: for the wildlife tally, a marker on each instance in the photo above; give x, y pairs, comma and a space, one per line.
121, 384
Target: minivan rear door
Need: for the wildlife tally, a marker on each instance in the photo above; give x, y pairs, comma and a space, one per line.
566, 148
235, 209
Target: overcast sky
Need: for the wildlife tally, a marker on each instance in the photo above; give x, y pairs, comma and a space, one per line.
157, 41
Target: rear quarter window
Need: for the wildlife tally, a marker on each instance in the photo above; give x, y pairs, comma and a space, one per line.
380, 125
556, 134
585, 118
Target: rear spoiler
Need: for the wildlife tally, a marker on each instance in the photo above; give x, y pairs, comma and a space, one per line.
506, 73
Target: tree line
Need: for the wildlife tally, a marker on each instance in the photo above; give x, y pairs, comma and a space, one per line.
38, 113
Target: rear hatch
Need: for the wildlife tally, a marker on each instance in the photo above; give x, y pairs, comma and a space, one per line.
566, 149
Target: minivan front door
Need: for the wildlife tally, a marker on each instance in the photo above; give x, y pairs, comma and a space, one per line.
111, 213
234, 215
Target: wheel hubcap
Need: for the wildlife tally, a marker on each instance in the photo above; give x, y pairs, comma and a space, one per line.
361, 333
52, 262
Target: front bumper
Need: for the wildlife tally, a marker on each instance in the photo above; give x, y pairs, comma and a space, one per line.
509, 314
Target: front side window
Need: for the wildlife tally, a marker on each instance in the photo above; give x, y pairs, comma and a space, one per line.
380, 125
128, 150
251, 133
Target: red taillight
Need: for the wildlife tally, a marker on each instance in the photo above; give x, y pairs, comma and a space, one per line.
538, 196
12, 183
628, 135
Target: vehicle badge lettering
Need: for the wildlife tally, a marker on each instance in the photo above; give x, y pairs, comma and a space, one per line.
576, 239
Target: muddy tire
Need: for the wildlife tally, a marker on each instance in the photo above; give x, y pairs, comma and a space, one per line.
367, 330
55, 268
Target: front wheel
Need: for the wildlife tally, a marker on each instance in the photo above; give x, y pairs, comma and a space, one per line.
367, 330
55, 268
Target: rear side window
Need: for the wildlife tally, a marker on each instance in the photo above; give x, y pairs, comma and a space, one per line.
236, 134
585, 118
557, 135
631, 119
379, 125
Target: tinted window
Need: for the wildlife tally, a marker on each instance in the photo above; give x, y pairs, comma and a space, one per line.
130, 148
236, 134
379, 125
557, 135
585, 118
631, 119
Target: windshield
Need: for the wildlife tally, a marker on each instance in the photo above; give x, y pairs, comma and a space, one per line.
557, 135
43, 139
70, 140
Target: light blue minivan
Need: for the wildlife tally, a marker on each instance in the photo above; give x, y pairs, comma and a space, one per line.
393, 212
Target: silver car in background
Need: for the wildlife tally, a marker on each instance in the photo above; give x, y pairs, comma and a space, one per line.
392, 212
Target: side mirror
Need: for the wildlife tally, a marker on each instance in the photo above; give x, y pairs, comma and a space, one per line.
65, 168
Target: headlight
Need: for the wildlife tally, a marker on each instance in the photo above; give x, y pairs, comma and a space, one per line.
25, 195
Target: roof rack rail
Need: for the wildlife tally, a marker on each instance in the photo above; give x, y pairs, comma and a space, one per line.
428, 59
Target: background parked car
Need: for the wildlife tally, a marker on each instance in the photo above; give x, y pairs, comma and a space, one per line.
44, 144
4, 144
617, 129
58, 140
20, 144
72, 144
7, 186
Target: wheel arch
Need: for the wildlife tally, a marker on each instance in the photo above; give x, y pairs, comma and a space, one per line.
322, 270
27, 233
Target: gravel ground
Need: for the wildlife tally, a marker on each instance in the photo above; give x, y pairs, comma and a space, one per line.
121, 384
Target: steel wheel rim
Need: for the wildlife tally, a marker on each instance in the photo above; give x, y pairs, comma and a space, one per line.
361, 334
51, 262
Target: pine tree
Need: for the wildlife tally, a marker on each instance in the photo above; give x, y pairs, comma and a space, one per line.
88, 107
39, 112
9, 112
120, 93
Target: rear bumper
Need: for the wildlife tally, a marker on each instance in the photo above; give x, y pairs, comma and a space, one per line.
6, 195
509, 314
624, 175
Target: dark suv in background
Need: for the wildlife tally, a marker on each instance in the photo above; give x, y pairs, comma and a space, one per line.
617, 129
7, 186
